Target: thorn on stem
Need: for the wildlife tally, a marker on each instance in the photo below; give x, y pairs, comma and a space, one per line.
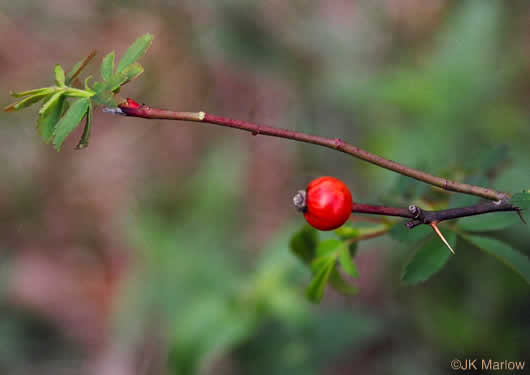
439, 233
520, 215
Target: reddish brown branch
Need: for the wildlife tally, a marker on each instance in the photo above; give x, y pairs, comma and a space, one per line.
381, 210
333, 143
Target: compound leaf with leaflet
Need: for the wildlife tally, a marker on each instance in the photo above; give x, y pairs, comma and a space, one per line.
30, 100
70, 120
323, 268
135, 51
428, 260
337, 282
83, 142
59, 75
48, 120
505, 253
107, 66
346, 260
303, 244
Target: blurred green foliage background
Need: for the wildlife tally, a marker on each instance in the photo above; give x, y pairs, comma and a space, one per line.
163, 247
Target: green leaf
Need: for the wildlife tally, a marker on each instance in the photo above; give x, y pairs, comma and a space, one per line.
318, 262
324, 267
347, 232
49, 119
428, 260
87, 87
107, 66
78, 93
105, 98
115, 82
66, 106
135, 51
132, 71
99, 86
346, 260
50, 100
303, 244
30, 100
315, 291
78, 67
42, 90
337, 282
505, 253
70, 120
327, 247
489, 221
59, 75
83, 142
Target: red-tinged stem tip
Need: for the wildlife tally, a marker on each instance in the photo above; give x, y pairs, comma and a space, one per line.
130, 103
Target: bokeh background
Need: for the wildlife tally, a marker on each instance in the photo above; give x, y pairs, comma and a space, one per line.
163, 247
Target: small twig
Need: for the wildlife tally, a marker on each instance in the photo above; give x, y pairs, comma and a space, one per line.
381, 210
333, 143
426, 217
369, 236
420, 216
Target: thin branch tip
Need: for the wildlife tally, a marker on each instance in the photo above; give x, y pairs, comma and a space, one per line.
333, 143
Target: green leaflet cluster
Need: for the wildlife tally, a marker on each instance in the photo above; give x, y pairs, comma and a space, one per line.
324, 258
64, 106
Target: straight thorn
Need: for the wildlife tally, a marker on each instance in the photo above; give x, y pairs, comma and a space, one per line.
435, 227
521, 215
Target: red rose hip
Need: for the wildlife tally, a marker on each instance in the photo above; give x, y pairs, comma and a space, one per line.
326, 203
